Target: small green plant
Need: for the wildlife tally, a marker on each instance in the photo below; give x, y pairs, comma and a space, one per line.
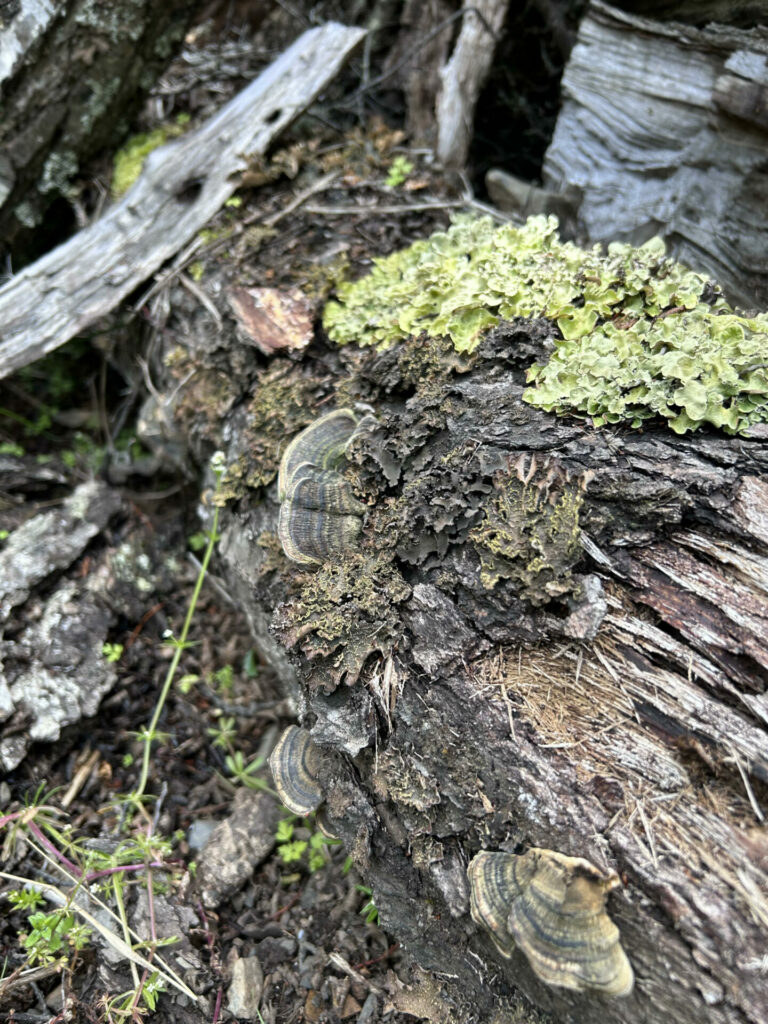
197, 541
151, 733
4, 534
251, 664
52, 936
112, 652
368, 910
9, 448
55, 937
399, 170
309, 852
223, 679
187, 681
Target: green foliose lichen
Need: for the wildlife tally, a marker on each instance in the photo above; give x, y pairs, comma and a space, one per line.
642, 335
530, 531
345, 610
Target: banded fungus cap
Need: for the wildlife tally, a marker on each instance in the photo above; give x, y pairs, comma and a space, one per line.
320, 444
553, 908
295, 763
319, 514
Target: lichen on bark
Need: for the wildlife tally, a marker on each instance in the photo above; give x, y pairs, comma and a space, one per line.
641, 336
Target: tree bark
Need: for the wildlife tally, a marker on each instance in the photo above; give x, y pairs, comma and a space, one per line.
548, 636
71, 75
182, 186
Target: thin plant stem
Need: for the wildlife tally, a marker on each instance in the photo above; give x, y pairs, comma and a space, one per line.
137, 794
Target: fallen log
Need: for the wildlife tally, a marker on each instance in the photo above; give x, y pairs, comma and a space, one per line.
535, 634
182, 185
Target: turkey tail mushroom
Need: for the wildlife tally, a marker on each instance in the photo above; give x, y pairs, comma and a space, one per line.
319, 514
553, 908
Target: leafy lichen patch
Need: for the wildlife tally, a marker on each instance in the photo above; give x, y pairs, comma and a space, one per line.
642, 335
345, 610
282, 403
530, 530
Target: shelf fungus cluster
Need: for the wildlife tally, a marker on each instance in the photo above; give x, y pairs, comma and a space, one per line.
319, 515
296, 762
553, 908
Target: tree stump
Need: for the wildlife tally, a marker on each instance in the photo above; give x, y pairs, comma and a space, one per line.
662, 130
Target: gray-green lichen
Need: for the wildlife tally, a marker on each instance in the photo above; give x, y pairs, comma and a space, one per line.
530, 531
642, 335
345, 611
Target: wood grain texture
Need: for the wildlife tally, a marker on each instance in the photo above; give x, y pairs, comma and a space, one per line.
463, 76
663, 129
182, 185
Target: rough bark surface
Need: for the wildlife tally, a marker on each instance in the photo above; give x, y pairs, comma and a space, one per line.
182, 185
663, 130
549, 636
71, 74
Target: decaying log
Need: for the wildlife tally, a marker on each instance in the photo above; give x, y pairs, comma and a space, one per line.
182, 185
493, 675
463, 76
663, 129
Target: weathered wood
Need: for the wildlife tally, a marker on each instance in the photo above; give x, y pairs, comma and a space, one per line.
182, 185
463, 76
71, 76
663, 129
619, 715
745, 13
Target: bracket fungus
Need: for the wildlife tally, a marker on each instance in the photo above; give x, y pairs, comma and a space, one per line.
553, 908
295, 763
319, 514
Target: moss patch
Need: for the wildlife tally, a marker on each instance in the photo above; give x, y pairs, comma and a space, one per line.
530, 531
130, 159
642, 335
283, 402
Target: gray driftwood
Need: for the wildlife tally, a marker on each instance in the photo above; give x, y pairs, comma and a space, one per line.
663, 129
182, 185
615, 710
463, 76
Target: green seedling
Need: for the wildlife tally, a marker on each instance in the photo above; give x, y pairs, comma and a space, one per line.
112, 652
368, 910
399, 170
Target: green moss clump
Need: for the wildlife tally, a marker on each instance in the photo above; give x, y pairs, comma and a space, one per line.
642, 335
283, 402
530, 531
130, 159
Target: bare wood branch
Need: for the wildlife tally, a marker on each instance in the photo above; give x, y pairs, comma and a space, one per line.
463, 76
70, 288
